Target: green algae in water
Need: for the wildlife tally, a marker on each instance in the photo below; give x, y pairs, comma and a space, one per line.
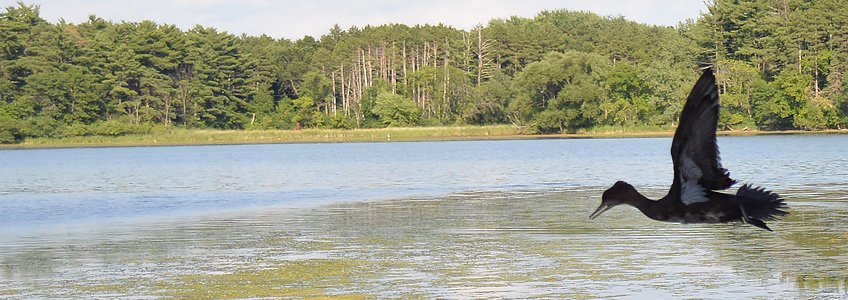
290, 278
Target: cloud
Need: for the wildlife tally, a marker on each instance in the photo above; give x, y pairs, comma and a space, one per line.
294, 19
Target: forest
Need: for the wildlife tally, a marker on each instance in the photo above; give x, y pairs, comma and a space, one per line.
780, 65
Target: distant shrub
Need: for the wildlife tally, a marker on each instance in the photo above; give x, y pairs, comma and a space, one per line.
9, 131
395, 110
118, 127
550, 121
78, 130
40, 126
340, 121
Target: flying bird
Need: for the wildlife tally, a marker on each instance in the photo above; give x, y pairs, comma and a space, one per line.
694, 196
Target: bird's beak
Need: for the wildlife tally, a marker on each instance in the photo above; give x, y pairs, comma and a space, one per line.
601, 209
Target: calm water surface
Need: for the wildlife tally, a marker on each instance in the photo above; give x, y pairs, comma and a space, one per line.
455, 220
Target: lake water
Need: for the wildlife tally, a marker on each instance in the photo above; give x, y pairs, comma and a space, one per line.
451, 220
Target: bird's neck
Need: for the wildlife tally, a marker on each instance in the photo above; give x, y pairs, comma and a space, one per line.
645, 205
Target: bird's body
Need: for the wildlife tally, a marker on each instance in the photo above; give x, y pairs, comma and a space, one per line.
694, 195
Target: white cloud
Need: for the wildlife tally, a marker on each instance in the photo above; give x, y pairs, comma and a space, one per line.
294, 19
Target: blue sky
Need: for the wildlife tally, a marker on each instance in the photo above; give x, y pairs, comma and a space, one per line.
294, 19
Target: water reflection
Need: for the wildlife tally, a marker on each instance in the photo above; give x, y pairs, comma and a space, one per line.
498, 244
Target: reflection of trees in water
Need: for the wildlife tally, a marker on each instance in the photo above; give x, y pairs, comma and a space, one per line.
825, 282
808, 249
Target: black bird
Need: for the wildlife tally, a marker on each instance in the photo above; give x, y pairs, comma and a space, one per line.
698, 175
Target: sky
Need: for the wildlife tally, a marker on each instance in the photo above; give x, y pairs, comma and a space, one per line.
296, 19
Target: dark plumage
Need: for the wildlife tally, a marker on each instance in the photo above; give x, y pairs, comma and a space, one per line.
698, 175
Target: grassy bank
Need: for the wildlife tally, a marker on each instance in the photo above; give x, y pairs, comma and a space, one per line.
181, 136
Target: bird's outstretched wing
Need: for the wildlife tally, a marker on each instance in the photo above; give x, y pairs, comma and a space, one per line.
697, 166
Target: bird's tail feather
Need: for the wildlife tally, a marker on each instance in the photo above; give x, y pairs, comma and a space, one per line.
760, 204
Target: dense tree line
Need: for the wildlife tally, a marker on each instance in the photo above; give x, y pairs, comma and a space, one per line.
780, 65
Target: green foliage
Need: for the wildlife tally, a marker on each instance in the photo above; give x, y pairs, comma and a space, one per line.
740, 83
283, 115
488, 102
564, 91
9, 130
304, 112
396, 111
117, 127
780, 65
340, 121
794, 46
260, 107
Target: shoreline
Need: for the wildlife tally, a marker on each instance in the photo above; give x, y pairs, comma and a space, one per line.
202, 137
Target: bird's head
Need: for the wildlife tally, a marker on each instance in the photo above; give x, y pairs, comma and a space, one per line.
618, 194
